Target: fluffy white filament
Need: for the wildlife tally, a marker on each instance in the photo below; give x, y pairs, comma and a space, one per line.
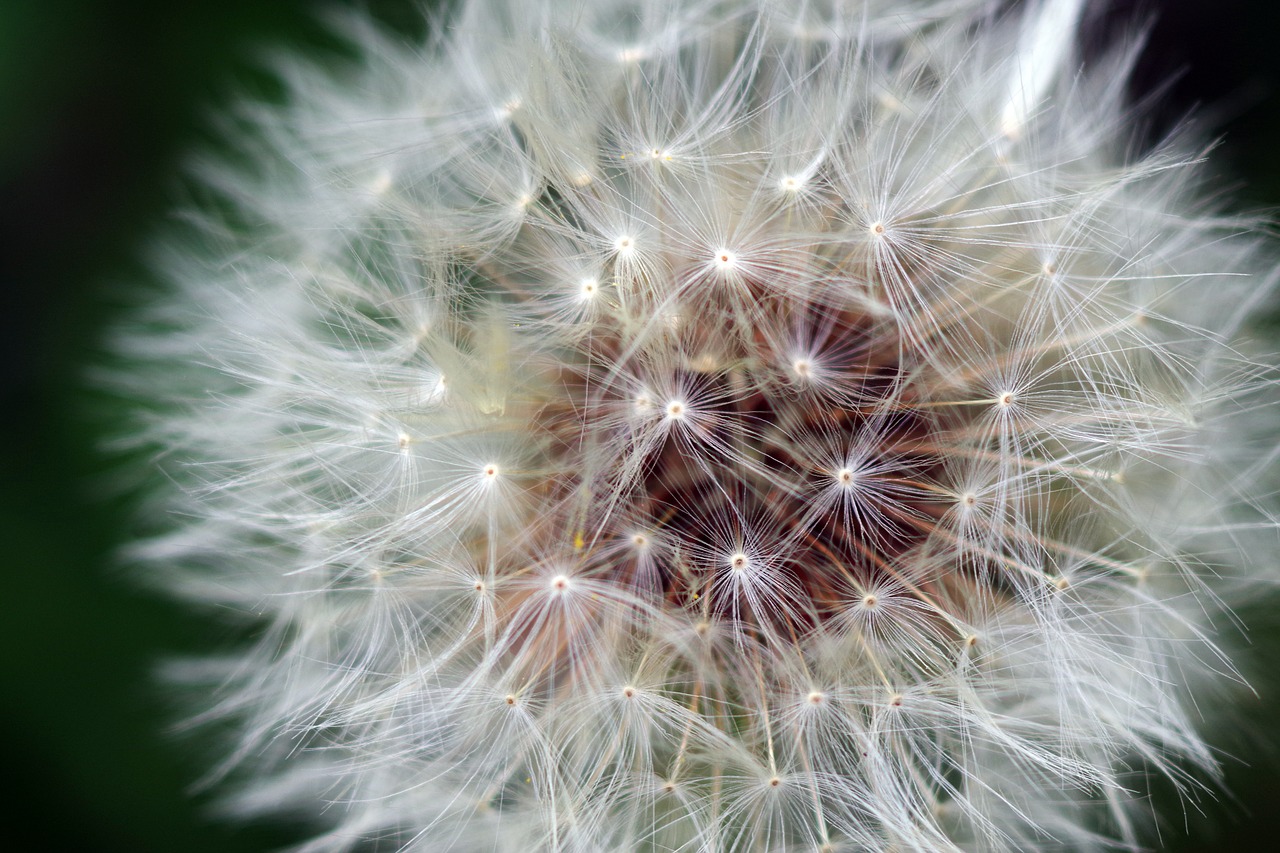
711, 425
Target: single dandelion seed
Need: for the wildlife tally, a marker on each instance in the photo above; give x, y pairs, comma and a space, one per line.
725, 261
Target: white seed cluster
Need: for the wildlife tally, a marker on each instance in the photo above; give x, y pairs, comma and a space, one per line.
711, 425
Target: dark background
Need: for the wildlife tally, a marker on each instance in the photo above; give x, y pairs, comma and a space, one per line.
98, 100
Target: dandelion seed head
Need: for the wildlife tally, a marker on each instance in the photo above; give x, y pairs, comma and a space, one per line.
837, 431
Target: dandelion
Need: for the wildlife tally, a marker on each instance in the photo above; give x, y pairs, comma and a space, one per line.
712, 425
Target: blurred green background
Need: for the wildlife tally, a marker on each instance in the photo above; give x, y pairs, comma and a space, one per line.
98, 100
